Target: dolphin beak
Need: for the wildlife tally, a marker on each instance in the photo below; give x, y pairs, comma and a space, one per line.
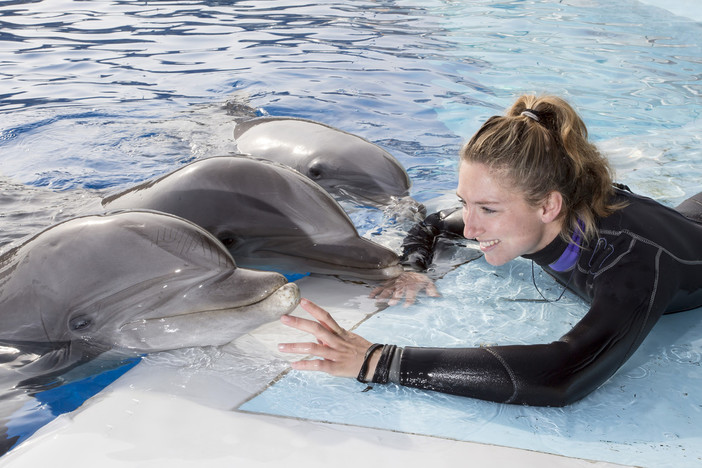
211, 326
355, 256
236, 288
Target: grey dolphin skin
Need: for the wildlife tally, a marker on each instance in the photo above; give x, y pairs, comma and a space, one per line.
135, 280
116, 286
344, 164
268, 215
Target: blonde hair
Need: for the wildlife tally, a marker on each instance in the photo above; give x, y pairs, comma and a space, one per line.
541, 146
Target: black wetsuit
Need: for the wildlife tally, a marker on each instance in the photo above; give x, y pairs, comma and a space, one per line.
646, 262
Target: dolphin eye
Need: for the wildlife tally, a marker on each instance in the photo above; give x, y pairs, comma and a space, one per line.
226, 237
80, 323
227, 241
314, 172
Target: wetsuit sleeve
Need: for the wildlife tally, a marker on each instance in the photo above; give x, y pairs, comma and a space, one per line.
627, 301
418, 245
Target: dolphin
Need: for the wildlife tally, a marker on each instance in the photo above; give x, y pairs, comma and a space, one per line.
346, 165
135, 280
268, 215
84, 295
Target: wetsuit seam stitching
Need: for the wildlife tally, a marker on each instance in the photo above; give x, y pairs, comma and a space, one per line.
510, 372
651, 300
647, 241
616, 259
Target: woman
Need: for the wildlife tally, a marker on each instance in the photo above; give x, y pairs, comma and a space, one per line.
531, 185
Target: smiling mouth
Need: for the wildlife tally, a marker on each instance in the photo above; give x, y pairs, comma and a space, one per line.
487, 244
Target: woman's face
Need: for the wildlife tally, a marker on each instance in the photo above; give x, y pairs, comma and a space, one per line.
498, 216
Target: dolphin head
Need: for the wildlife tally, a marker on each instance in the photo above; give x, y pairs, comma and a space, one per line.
344, 164
268, 216
137, 280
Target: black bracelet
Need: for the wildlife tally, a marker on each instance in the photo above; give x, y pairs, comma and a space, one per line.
364, 367
382, 370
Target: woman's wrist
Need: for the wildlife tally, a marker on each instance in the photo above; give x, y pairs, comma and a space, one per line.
381, 364
370, 362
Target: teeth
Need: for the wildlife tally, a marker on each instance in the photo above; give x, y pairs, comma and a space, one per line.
486, 244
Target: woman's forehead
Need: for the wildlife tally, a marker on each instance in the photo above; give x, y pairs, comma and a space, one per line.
479, 184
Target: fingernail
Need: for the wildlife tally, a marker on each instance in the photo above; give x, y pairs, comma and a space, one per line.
285, 318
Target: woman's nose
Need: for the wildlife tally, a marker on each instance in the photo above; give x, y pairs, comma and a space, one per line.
470, 228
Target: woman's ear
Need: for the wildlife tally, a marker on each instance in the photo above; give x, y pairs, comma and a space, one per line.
551, 207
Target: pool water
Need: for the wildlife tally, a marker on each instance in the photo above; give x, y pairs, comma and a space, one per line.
647, 414
97, 96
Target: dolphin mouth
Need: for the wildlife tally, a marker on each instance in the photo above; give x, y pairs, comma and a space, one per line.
208, 327
372, 271
288, 287
380, 274
373, 198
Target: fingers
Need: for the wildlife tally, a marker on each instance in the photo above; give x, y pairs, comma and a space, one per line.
387, 290
314, 349
322, 316
409, 293
383, 292
341, 352
432, 291
376, 291
317, 365
407, 286
320, 331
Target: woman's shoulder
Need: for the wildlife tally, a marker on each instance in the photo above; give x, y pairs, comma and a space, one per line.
647, 219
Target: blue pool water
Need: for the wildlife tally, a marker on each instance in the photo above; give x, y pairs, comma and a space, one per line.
96, 96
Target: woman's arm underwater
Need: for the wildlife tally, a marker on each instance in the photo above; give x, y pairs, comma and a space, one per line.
417, 254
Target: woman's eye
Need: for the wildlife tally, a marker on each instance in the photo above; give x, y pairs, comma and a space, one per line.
487, 210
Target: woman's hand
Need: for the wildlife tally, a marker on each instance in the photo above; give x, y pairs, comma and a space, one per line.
342, 352
407, 285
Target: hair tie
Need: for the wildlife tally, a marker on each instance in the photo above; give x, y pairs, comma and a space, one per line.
531, 114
